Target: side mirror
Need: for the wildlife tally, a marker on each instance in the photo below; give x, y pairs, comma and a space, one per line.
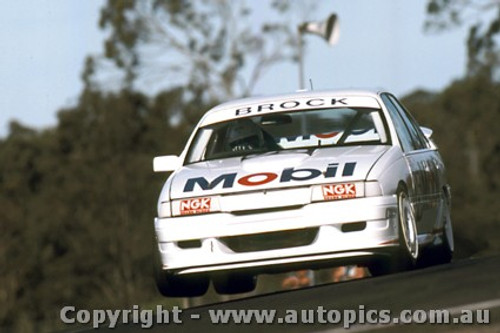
427, 132
166, 163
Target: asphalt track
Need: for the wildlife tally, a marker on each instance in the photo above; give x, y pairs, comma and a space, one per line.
468, 284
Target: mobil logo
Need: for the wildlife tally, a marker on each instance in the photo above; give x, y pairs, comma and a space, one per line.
228, 180
195, 206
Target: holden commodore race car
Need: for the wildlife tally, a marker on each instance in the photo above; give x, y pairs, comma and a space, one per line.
301, 181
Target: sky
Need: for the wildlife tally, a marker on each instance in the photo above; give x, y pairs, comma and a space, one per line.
43, 46
382, 45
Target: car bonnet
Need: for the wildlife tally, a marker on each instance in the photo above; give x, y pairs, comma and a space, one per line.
275, 170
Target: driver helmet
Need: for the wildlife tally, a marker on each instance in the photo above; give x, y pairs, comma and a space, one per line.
243, 135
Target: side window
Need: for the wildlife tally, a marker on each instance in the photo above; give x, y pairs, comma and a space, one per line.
419, 137
404, 136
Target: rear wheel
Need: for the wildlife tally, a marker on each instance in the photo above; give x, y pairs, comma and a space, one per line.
407, 254
234, 283
442, 253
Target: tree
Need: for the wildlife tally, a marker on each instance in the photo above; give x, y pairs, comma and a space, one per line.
214, 48
483, 19
77, 205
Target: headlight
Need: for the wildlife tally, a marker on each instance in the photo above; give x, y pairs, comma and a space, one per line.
337, 191
164, 209
195, 206
373, 189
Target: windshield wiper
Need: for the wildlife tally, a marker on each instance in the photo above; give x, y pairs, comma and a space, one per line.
257, 154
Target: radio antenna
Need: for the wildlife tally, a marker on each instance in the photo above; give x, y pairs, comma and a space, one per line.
311, 84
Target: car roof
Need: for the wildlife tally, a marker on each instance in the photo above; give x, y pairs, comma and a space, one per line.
222, 111
300, 94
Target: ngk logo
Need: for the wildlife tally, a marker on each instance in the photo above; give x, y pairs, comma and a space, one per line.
338, 191
195, 206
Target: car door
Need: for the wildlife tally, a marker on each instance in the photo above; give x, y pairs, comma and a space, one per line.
432, 165
421, 160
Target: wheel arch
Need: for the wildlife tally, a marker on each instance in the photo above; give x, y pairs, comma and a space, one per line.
390, 170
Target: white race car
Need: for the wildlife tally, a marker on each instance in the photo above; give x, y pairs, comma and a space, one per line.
301, 181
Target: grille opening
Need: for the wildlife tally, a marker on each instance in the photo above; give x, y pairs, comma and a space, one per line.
350, 227
189, 244
271, 240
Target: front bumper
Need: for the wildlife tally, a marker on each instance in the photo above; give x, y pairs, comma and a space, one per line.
333, 244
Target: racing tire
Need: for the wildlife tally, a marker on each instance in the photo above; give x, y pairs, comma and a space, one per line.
407, 254
234, 283
170, 285
442, 253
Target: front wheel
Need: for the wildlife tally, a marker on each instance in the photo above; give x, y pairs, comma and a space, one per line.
234, 283
408, 236
407, 254
170, 285
176, 286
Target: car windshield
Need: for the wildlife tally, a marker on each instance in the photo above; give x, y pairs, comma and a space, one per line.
271, 132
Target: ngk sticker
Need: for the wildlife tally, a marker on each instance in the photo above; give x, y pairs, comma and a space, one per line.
338, 191
195, 206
